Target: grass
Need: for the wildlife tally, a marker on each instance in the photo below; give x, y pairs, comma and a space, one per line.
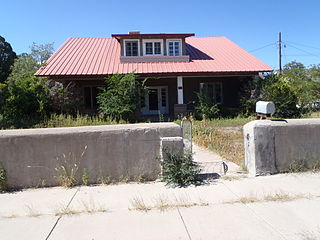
137, 203
223, 136
272, 197
87, 207
32, 211
66, 120
163, 203
233, 177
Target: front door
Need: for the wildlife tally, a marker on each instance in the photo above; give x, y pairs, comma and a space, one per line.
155, 101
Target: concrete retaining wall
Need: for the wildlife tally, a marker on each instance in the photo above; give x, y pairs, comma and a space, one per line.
30, 156
281, 145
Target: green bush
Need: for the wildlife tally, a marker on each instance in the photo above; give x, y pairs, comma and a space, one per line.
26, 103
121, 99
206, 107
179, 170
285, 100
3, 178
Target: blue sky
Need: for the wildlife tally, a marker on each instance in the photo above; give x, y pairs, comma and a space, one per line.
252, 24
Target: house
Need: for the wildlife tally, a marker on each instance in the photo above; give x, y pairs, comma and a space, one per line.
177, 65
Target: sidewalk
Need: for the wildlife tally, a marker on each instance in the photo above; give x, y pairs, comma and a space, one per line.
284, 206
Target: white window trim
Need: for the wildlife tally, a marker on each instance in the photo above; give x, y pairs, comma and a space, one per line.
153, 41
125, 49
221, 87
174, 40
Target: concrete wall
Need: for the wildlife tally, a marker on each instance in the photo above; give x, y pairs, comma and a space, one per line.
281, 145
30, 156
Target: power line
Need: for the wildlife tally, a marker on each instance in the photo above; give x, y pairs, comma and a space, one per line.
303, 45
263, 47
310, 54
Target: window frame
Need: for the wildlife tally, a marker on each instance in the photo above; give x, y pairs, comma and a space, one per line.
162, 109
174, 40
214, 90
125, 47
144, 41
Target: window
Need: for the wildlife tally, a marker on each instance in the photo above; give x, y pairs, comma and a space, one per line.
174, 48
152, 47
213, 89
131, 48
155, 101
90, 97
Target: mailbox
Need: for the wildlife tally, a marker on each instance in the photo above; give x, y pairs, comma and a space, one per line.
265, 109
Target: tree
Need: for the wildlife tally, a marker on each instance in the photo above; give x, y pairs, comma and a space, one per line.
284, 98
26, 103
7, 56
23, 64
41, 52
302, 83
121, 98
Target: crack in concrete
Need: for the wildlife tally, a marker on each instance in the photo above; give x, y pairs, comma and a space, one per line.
184, 224
56, 223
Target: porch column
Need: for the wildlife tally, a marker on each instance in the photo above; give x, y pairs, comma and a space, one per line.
180, 89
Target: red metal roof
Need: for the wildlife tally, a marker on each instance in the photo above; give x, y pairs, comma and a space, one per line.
101, 56
156, 35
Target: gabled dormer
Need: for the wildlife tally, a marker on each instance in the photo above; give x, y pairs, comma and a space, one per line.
137, 47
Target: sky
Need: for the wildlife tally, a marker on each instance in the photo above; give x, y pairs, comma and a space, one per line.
252, 24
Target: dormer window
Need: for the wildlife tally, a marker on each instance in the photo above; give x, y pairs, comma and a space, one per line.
174, 48
152, 47
131, 47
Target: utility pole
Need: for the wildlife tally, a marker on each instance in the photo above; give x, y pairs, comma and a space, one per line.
280, 56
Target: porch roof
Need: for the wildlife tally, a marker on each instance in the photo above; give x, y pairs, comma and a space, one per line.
101, 57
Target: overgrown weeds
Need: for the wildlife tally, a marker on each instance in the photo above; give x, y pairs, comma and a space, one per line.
271, 197
67, 120
164, 203
67, 168
303, 165
179, 169
3, 178
226, 141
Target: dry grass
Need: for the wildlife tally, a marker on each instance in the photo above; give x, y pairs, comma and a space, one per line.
87, 207
65, 120
137, 203
66, 211
93, 207
163, 203
105, 180
271, 197
232, 177
9, 216
31, 211
226, 142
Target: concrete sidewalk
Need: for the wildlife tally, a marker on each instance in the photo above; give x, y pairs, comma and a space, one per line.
211, 162
285, 206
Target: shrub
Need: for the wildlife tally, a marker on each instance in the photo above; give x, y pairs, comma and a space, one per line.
3, 178
206, 108
285, 100
121, 99
26, 103
179, 170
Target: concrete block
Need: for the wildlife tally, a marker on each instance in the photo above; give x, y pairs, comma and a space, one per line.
273, 146
30, 156
171, 144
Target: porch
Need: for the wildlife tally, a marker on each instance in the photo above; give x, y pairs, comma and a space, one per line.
169, 97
